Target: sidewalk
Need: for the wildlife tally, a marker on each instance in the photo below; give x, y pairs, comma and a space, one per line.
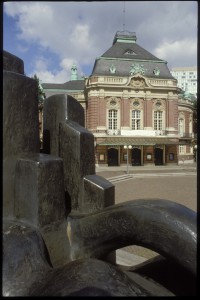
100, 168
106, 171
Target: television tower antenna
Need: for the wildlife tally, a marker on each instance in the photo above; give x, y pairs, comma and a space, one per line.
124, 17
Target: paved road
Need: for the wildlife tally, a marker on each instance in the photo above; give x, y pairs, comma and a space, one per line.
177, 183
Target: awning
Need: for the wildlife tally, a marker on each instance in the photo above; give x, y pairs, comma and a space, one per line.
137, 141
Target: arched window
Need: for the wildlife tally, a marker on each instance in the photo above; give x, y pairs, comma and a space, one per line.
136, 120
112, 119
158, 120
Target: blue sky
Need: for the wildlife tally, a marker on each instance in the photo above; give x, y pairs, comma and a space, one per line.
50, 36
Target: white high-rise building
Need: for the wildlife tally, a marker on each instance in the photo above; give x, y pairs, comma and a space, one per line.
187, 78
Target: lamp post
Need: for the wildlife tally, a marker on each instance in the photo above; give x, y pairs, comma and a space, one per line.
195, 147
127, 147
95, 154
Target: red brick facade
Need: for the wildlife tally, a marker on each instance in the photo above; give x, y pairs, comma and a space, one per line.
97, 122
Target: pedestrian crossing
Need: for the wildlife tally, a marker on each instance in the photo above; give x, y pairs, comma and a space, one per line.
120, 178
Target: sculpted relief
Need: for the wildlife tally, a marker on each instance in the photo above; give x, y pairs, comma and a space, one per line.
137, 83
159, 104
113, 102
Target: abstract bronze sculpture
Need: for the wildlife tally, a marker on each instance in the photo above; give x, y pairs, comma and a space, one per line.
59, 219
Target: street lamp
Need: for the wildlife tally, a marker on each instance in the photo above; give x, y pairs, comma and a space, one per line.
195, 147
127, 147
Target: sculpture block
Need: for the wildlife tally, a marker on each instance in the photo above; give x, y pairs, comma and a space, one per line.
59, 219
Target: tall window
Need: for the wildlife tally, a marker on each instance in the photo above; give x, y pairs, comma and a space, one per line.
158, 120
181, 126
190, 127
136, 119
181, 149
112, 119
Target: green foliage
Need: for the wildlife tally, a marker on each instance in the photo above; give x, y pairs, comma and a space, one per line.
195, 103
41, 94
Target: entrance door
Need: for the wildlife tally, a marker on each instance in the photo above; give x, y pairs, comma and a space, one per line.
158, 156
136, 157
112, 157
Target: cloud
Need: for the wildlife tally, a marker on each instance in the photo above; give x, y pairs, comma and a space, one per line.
67, 63
22, 48
60, 75
41, 63
51, 26
79, 32
180, 50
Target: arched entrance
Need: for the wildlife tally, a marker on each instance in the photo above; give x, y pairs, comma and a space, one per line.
112, 157
136, 157
158, 153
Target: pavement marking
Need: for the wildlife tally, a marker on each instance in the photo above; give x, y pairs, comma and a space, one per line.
120, 178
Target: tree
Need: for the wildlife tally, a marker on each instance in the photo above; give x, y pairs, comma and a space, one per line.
41, 93
195, 117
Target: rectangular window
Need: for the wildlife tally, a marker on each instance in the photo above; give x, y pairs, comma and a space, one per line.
190, 126
136, 119
125, 157
181, 149
149, 156
158, 120
101, 157
112, 119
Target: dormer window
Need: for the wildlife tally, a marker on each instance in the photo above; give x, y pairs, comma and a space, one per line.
156, 71
112, 69
130, 52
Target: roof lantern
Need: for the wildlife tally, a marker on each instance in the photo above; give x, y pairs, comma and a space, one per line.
74, 75
125, 37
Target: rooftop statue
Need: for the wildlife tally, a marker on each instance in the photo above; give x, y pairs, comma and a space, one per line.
136, 68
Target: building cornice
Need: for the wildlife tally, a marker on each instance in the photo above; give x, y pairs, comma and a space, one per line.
63, 90
131, 59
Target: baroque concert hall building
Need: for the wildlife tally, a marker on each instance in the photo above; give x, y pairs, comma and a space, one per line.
133, 107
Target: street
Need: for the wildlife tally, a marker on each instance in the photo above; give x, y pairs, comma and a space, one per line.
178, 184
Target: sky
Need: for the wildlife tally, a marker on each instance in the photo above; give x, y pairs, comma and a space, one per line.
51, 36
